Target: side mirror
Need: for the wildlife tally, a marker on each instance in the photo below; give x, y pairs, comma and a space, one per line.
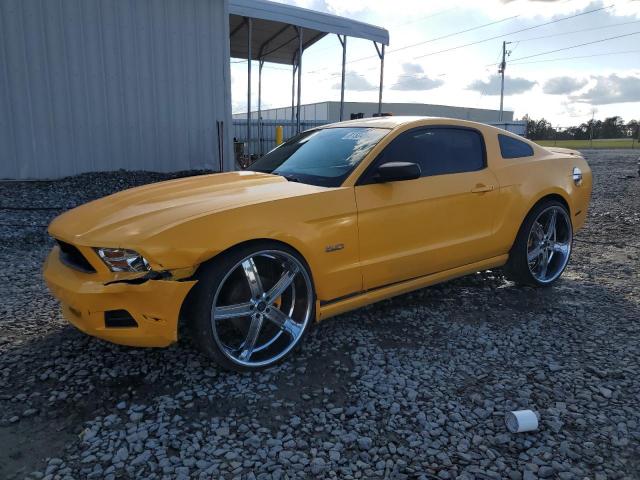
397, 171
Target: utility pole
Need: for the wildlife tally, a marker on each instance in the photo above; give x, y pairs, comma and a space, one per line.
503, 66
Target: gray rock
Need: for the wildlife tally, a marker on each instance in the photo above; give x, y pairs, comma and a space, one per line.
318, 466
121, 455
136, 416
365, 443
545, 471
141, 458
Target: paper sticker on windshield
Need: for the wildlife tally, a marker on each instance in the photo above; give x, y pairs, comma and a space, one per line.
355, 135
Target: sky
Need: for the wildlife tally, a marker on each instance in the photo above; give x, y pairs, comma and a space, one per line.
566, 87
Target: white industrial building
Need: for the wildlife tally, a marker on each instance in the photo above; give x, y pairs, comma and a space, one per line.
141, 84
329, 112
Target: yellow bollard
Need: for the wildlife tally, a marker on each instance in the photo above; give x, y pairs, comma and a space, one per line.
279, 132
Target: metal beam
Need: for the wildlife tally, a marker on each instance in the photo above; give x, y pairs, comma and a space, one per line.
293, 92
260, 65
381, 55
312, 40
343, 42
238, 28
283, 44
250, 56
300, 50
295, 55
271, 39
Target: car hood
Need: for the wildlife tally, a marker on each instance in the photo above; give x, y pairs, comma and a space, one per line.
128, 217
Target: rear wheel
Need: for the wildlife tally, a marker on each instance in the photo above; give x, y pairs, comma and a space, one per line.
543, 245
252, 306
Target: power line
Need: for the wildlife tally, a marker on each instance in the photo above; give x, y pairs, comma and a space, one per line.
447, 10
405, 47
420, 19
572, 58
441, 12
575, 46
451, 34
578, 31
422, 75
514, 32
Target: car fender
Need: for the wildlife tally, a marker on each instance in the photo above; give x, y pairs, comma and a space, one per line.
322, 227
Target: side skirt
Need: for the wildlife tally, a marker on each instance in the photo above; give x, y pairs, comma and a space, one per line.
339, 306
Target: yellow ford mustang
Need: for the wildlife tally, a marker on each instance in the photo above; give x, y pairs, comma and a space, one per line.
336, 218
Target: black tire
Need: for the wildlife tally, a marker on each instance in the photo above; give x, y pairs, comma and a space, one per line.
199, 314
518, 267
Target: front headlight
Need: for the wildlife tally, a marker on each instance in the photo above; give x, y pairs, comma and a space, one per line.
123, 260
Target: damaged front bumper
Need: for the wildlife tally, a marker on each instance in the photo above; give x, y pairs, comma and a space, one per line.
152, 300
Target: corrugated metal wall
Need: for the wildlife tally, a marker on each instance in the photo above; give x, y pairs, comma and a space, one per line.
94, 85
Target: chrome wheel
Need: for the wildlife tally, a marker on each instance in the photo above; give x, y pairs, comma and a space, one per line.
261, 308
549, 244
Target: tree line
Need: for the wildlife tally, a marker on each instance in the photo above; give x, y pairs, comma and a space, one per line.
612, 127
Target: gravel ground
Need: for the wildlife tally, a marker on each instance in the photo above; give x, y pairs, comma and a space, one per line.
414, 387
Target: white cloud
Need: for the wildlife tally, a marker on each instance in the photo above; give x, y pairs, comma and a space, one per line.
356, 82
416, 83
412, 68
414, 79
611, 89
563, 85
512, 85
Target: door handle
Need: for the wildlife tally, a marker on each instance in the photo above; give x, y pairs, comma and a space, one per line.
481, 188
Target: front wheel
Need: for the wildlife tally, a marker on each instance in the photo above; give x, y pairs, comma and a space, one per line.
253, 306
543, 245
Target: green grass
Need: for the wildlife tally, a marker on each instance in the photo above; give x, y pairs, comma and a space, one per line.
597, 143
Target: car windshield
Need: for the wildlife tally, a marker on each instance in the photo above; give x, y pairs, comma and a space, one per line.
323, 157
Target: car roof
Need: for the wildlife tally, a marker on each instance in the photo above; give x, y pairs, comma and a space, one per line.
393, 122
397, 121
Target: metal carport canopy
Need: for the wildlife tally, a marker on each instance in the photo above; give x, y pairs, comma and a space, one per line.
275, 40
273, 32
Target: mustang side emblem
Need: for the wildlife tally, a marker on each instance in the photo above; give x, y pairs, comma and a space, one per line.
334, 248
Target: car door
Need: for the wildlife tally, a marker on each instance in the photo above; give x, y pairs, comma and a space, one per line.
442, 220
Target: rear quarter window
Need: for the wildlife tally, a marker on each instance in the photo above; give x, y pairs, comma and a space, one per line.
513, 148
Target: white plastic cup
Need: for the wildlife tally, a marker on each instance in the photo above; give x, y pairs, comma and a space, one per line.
521, 421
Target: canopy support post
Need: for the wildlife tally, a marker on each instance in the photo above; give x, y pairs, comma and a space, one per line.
249, 21
260, 65
298, 109
294, 69
381, 56
343, 42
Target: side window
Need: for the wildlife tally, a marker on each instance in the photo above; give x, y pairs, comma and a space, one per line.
438, 150
513, 148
